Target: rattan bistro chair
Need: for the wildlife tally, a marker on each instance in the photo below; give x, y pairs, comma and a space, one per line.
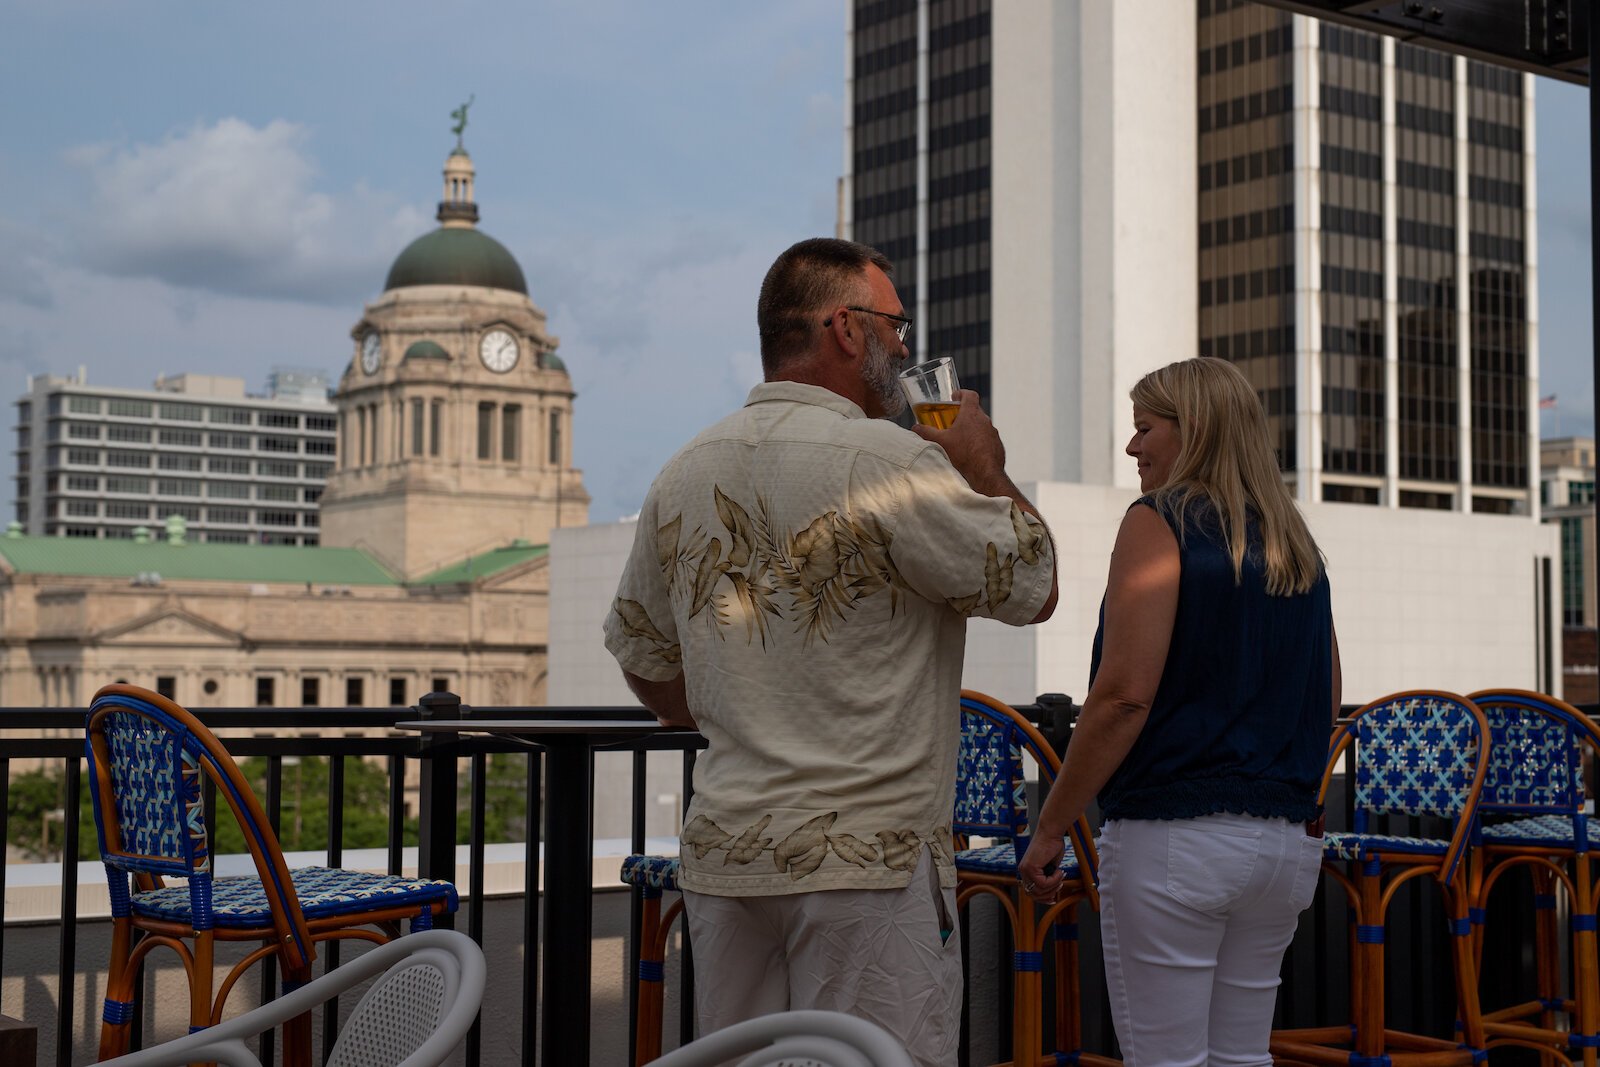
992, 802
1414, 753
148, 758
1534, 818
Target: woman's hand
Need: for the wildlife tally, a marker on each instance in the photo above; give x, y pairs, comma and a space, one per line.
1044, 853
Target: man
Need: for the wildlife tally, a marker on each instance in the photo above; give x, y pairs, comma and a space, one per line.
798, 591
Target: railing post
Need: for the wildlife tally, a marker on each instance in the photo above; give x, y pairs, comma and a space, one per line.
436, 822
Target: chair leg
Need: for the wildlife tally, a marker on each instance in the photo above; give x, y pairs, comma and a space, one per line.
297, 1031
114, 1026
1586, 964
1027, 1026
1369, 1037
1069, 1027
1547, 948
653, 932
1458, 899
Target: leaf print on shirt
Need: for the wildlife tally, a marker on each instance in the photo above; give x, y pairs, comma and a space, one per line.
636, 623
1031, 536
804, 850
750, 844
997, 577
852, 849
901, 849
703, 835
736, 520
667, 549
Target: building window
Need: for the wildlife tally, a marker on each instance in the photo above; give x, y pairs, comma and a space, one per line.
125, 509
418, 430
183, 438
167, 686
121, 432
229, 490
277, 468
138, 409
79, 483
441, 685
322, 423
310, 692
265, 696
278, 518
353, 695
178, 461
320, 446
115, 458
485, 431
435, 426
281, 420
121, 483
397, 692
361, 423
177, 487
83, 431
555, 438
270, 443
282, 493
181, 412
511, 433
238, 442
230, 416
232, 516
85, 404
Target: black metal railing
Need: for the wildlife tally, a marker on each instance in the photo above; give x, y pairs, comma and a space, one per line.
559, 765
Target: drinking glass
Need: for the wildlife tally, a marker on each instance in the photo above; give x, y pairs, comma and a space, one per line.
931, 387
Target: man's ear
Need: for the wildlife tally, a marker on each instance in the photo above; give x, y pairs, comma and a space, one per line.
846, 329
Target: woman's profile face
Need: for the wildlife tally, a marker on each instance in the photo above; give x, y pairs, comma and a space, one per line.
1155, 445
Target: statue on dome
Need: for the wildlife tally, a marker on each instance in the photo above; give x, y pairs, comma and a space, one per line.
460, 115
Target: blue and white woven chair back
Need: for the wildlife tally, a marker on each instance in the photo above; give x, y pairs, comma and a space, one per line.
1535, 756
153, 768
1418, 754
991, 780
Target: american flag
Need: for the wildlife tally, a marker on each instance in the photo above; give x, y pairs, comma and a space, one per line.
1547, 401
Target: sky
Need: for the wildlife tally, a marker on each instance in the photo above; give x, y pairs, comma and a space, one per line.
218, 188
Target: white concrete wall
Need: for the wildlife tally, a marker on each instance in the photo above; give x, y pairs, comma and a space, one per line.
1095, 262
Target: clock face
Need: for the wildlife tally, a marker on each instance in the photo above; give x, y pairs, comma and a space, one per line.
371, 353
498, 350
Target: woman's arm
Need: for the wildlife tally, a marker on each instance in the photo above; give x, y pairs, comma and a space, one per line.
1338, 673
1141, 604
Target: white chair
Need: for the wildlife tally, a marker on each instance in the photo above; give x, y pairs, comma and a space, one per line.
413, 1016
795, 1039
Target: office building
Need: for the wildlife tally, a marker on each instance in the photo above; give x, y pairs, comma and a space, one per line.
1076, 193
99, 462
1566, 497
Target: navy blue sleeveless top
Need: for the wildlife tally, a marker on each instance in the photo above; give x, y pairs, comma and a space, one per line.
1241, 719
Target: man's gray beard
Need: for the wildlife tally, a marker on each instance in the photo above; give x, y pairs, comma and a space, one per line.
879, 374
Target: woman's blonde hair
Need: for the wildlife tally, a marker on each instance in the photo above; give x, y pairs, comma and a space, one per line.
1225, 457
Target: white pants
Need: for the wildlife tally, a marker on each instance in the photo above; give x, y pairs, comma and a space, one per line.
1195, 917
881, 954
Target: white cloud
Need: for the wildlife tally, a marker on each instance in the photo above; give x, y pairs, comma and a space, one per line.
232, 208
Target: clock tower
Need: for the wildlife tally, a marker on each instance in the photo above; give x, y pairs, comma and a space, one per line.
455, 412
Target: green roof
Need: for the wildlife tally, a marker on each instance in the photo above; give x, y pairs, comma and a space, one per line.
456, 255
116, 558
554, 362
481, 566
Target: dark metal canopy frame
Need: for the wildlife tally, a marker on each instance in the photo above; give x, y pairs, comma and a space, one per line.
1554, 38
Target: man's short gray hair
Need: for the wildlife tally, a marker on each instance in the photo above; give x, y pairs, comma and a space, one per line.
808, 280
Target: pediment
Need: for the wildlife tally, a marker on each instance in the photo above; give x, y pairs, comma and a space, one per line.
170, 627
530, 577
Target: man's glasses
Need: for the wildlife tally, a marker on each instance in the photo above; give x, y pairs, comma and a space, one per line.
902, 325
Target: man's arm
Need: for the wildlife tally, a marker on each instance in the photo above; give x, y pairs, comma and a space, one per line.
978, 455
669, 700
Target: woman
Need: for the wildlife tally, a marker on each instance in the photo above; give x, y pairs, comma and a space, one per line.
1214, 676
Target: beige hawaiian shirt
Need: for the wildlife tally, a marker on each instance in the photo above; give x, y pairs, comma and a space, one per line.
811, 572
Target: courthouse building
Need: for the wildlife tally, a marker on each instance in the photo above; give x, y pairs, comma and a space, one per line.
429, 566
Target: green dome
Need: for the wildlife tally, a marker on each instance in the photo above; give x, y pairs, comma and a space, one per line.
552, 361
456, 256
426, 350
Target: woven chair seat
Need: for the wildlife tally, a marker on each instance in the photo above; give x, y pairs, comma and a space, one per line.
1002, 859
1337, 845
241, 903
1537, 831
651, 872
